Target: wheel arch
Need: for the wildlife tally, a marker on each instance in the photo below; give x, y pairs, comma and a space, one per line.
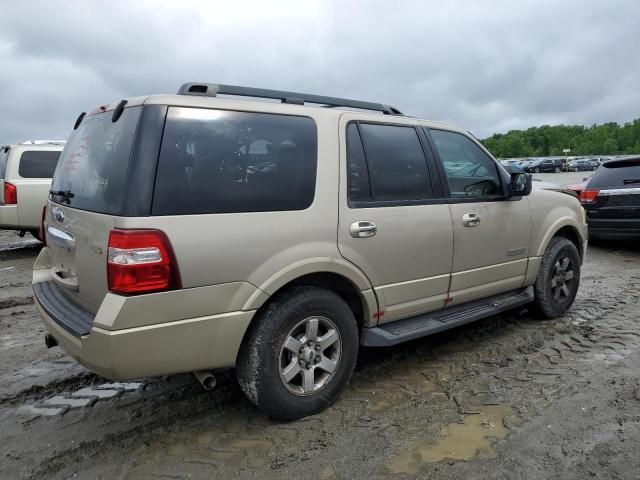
340, 277
565, 227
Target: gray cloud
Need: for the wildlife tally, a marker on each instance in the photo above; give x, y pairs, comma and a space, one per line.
487, 66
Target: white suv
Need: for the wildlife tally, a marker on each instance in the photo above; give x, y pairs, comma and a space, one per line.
25, 178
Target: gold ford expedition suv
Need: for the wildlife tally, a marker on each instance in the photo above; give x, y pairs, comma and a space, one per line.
194, 232
25, 178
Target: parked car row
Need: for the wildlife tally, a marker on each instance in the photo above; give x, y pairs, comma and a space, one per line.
555, 165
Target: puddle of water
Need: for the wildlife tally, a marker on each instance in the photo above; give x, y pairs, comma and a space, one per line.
457, 442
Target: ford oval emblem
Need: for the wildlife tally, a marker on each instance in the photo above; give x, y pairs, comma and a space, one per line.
58, 214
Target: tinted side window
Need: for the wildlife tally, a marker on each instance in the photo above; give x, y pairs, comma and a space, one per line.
470, 172
397, 165
359, 188
214, 161
38, 164
4, 154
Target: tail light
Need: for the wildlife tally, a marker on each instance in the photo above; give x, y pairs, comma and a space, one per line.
141, 261
10, 194
43, 231
589, 196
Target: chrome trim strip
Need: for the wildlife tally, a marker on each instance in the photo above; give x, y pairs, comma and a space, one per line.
61, 237
620, 191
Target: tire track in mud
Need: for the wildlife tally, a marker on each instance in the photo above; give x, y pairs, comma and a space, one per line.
15, 250
154, 406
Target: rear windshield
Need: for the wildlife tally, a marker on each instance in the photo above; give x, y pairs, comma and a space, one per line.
92, 170
38, 163
617, 174
214, 161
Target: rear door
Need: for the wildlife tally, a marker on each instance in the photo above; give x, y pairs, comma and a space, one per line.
90, 185
491, 234
35, 170
393, 223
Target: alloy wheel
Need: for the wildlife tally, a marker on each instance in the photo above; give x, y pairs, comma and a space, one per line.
310, 355
562, 279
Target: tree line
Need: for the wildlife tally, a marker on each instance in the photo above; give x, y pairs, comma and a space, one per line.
606, 139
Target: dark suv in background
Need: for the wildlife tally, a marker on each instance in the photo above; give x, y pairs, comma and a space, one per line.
582, 165
612, 200
547, 165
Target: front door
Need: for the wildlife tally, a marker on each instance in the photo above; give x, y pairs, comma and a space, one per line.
491, 234
393, 222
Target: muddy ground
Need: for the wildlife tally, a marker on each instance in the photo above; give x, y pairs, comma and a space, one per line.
508, 397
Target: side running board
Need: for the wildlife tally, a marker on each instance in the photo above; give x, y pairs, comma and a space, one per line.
411, 328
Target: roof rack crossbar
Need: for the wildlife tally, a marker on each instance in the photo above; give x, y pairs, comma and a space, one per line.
212, 90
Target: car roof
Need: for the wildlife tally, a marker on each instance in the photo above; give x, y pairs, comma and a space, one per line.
242, 104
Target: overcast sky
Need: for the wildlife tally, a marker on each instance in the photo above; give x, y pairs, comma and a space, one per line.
489, 66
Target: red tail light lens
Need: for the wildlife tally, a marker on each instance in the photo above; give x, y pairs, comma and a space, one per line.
140, 261
10, 194
43, 232
589, 196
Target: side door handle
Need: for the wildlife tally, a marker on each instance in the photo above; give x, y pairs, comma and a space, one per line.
471, 219
363, 229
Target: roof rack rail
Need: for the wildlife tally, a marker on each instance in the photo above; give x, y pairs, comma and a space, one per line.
44, 142
212, 90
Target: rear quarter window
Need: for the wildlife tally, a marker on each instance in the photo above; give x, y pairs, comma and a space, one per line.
38, 164
214, 161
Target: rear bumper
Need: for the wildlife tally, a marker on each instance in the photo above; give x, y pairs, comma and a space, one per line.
186, 345
9, 217
177, 347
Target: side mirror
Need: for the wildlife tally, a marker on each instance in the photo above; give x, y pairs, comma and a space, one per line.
520, 185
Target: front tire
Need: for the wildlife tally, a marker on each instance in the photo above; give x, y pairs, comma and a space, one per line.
537, 170
558, 278
299, 354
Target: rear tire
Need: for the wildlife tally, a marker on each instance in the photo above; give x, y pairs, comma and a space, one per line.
557, 170
537, 170
558, 278
287, 369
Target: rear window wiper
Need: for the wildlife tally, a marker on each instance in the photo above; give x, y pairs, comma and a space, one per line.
628, 181
65, 194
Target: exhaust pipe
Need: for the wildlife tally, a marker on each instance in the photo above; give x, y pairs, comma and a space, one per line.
206, 379
49, 341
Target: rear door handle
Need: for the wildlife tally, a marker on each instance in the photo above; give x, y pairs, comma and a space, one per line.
471, 219
363, 229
